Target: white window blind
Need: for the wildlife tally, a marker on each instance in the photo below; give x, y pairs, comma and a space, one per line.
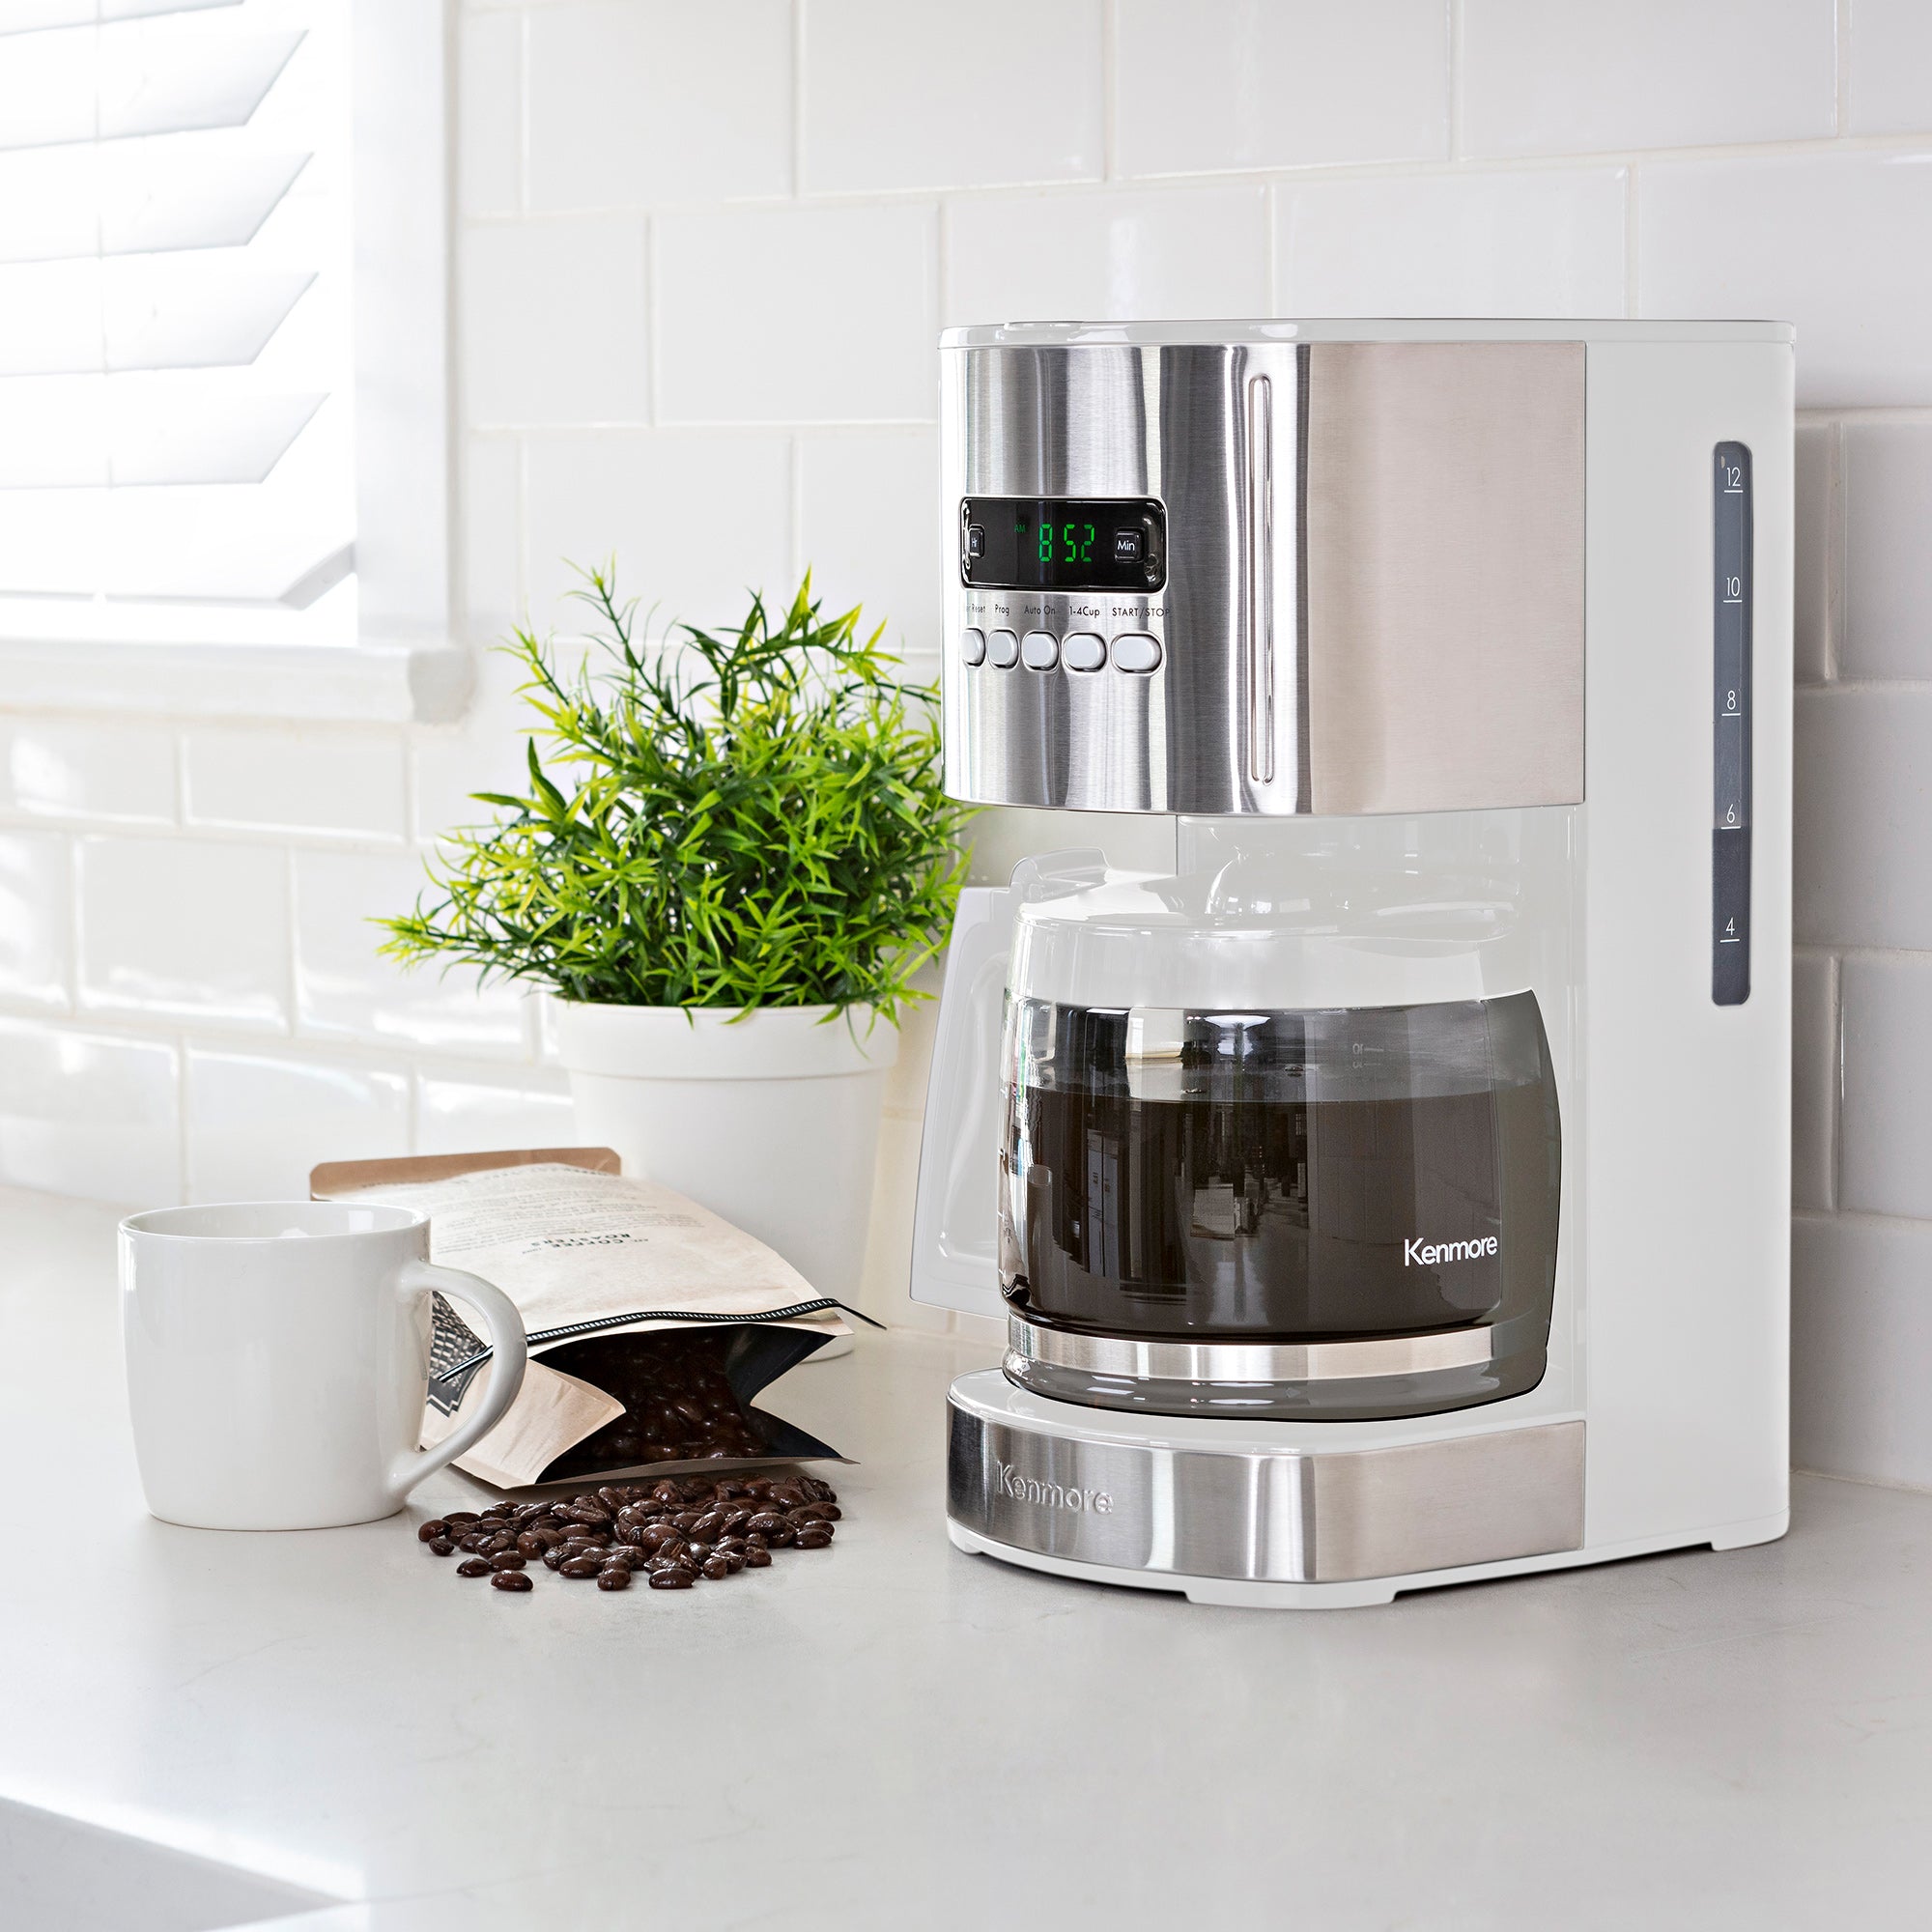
176, 453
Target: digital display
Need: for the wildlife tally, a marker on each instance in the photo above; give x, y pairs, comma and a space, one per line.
1062, 543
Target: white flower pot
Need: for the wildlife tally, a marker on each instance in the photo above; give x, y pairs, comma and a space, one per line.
771, 1120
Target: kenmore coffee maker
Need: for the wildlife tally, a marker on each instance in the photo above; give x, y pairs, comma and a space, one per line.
1381, 1166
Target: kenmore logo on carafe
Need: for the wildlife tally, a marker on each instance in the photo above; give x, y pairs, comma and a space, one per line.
1418, 1253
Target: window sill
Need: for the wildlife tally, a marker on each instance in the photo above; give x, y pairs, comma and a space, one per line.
425, 683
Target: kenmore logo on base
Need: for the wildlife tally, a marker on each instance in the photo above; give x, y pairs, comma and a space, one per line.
1050, 1494
1427, 1254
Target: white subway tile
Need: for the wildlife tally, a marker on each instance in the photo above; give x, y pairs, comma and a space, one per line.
635, 101
257, 1124
1154, 251
476, 1113
798, 315
490, 529
1862, 840
905, 1084
1891, 62
899, 97
1815, 1080
1862, 1349
885, 1290
692, 521
485, 753
89, 1114
184, 926
304, 780
554, 322
868, 528
345, 990
1539, 79
1887, 484
36, 917
1885, 1136
1208, 84
1536, 244
489, 113
1828, 242
1818, 520
97, 769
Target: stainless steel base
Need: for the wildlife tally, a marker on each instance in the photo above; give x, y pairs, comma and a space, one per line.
1251, 1502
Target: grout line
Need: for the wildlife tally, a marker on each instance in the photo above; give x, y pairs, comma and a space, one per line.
1841, 66
1835, 1106
1110, 73
1631, 298
797, 100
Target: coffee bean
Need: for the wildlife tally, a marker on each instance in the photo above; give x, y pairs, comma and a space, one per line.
553, 1559
529, 1543
472, 1540
716, 1567
764, 1522
474, 1566
506, 1559
499, 1543
442, 1547
429, 1532
455, 1517
710, 1526
616, 1576
509, 1579
579, 1566
673, 1577
815, 1536
757, 1557
734, 1561
813, 1511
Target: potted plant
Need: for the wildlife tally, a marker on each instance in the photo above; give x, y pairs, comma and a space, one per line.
730, 866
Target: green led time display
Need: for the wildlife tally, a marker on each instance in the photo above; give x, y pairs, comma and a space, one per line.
1061, 543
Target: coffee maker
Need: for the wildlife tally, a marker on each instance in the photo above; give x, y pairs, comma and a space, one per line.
1370, 1117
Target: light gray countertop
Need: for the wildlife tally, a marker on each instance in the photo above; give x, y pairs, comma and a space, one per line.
892, 1734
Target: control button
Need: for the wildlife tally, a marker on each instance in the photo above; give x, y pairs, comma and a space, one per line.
972, 647
1040, 650
1003, 648
1128, 546
1083, 652
975, 540
1136, 651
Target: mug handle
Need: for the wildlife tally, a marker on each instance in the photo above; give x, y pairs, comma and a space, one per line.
506, 1368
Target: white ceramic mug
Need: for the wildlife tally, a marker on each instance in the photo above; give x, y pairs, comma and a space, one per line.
278, 1356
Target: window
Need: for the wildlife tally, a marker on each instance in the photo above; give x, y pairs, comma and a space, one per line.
222, 311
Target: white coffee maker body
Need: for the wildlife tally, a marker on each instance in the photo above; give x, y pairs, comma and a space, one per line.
1381, 1165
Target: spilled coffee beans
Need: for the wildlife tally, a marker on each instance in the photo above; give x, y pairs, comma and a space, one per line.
677, 1530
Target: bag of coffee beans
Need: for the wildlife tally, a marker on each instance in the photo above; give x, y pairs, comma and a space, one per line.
652, 1322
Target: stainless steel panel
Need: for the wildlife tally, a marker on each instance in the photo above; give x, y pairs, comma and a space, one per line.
1292, 1517
1249, 1363
1374, 575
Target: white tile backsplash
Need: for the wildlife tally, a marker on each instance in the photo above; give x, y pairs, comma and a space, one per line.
1815, 1080
68, 768
1886, 1138
1193, 251
257, 1122
867, 529
1862, 1349
1540, 244
474, 1113
691, 522
553, 320
344, 990
798, 315
91, 1114
489, 113
1565, 79
1832, 241
186, 928
1888, 82
1227, 84
349, 782
900, 97
1888, 487
1861, 861
702, 254
634, 102
36, 917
